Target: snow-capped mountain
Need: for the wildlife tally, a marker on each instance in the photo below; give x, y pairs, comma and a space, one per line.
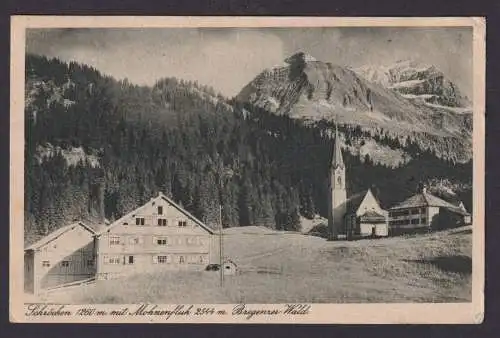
313, 90
418, 82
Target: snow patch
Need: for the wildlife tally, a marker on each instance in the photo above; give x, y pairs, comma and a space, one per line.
406, 84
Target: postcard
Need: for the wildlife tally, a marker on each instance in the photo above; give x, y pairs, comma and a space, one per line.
247, 169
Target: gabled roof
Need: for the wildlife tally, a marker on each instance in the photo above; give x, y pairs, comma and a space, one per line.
424, 199
372, 213
353, 202
159, 197
56, 234
372, 216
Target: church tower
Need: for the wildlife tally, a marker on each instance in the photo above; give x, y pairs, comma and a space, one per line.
336, 191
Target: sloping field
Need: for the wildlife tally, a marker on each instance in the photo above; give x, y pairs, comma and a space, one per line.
278, 267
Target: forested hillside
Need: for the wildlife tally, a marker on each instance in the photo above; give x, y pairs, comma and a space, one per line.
194, 145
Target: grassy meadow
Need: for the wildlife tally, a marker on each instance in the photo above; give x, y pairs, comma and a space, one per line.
278, 267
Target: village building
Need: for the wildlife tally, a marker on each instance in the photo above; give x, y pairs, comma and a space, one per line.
424, 211
365, 217
64, 256
158, 235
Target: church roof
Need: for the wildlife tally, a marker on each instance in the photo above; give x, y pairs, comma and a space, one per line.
353, 202
424, 199
337, 160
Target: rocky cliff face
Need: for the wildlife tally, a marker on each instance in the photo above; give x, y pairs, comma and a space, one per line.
314, 90
417, 82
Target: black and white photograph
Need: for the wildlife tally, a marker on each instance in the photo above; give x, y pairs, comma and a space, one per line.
249, 164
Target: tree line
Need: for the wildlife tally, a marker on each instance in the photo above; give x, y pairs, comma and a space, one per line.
192, 144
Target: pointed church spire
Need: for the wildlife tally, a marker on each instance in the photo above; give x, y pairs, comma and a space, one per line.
337, 160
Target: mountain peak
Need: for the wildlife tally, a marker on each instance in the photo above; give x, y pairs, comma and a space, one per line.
300, 57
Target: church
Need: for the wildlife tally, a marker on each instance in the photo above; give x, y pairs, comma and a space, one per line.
360, 215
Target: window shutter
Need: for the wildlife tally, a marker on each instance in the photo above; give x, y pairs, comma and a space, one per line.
155, 259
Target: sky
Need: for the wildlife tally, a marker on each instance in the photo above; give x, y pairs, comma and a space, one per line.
228, 58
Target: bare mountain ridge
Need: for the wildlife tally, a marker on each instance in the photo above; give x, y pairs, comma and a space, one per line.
417, 81
314, 90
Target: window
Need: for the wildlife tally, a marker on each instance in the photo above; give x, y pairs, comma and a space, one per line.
201, 259
181, 259
415, 211
134, 240
162, 259
113, 260
414, 221
423, 220
114, 240
130, 259
162, 222
160, 210
90, 262
65, 263
45, 264
139, 221
422, 210
161, 241
400, 213
182, 224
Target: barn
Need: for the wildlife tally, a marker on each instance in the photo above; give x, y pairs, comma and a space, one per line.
63, 256
159, 235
